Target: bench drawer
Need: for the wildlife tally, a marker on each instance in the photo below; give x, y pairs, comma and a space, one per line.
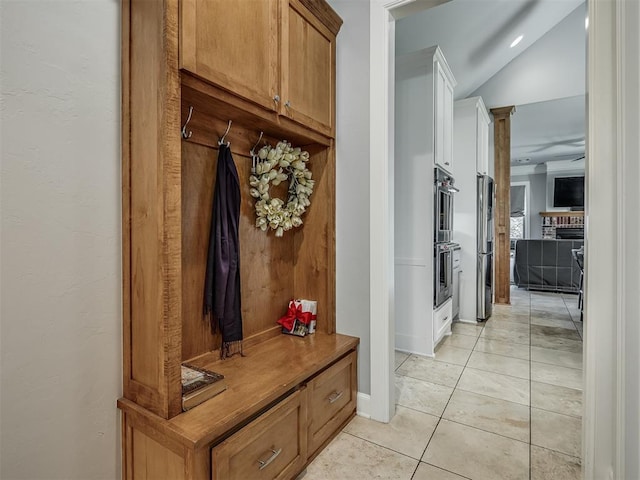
273, 446
332, 400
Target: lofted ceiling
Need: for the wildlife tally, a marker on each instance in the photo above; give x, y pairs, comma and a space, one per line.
543, 76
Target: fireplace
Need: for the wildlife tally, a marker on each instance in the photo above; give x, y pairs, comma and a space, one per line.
569, 233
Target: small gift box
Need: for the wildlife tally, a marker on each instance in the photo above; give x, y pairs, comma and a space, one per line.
300, 318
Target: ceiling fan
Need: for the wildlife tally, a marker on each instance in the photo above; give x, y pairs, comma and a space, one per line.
569, 157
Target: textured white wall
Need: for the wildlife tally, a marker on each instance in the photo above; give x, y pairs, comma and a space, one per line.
538, 198
553, 67
352, 179
60, 242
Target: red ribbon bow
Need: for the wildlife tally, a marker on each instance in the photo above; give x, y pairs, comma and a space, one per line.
295, 313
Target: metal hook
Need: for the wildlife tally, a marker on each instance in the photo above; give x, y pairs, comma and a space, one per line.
253, 150
221, 141
186, 135
254, 155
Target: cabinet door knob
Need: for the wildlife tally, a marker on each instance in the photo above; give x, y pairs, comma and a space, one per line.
265, 463
276, 98
288, 104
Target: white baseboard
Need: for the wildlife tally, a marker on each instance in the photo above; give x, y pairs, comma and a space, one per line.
465, 320
363, 407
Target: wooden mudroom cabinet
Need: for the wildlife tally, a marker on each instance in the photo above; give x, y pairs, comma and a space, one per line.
276, 53
220, 64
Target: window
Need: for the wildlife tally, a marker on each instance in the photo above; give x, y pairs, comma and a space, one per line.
518, 212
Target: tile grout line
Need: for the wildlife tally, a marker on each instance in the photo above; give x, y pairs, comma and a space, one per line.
381, 446
530, 397
449, 400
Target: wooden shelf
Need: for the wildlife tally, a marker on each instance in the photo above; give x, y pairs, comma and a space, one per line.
268, 371
563, 214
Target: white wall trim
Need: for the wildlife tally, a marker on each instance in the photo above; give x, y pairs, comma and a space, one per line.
628, 332
381, 213
527, 207
621, 214
383, 14
601, 387
363, 408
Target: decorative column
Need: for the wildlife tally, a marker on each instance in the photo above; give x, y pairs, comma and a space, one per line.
501, 211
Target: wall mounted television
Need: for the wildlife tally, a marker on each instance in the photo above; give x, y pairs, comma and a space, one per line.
568, 192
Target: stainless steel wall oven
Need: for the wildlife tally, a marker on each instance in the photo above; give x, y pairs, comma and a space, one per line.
443, 273
443, 234
443, 201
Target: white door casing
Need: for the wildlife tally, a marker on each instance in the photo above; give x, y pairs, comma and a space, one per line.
611, 388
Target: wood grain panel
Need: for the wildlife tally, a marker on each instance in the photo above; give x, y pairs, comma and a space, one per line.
502, 216
315, 243
172, 225
279, 434
153, 197
198, 178
266, 262
198, 465
324, 13
234, 45
332, 399
308, 70
146, 196
126, 202
213, 108
153, 461
267, 372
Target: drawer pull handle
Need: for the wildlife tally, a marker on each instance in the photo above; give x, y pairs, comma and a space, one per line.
265, 463
335, 396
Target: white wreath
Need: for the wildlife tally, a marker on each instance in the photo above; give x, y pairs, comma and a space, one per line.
272, 167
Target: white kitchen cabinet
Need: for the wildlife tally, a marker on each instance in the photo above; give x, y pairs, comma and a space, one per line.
442, 319
471, 133
436, 84
457, 270
423, 138
443, 113
483, 121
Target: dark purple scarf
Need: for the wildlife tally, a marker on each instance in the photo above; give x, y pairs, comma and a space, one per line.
222, 281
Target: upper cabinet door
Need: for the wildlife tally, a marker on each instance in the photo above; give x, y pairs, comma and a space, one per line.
233, 44
447, 149
482, 139
482, 156
308, 70
443, 118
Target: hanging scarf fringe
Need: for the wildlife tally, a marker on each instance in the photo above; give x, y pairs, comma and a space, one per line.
230, 349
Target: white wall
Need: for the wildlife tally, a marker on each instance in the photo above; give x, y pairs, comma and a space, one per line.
629, 201
60, 242
547, 70
612, 265
538, 200
352, 180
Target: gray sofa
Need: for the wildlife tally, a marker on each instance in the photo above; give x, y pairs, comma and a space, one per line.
547, 265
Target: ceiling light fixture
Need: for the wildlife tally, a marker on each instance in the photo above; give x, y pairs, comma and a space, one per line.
516, 41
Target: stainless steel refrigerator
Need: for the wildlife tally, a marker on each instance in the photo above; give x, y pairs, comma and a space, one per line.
484, 274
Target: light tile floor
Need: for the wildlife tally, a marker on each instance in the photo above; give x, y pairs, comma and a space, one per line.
501, 400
